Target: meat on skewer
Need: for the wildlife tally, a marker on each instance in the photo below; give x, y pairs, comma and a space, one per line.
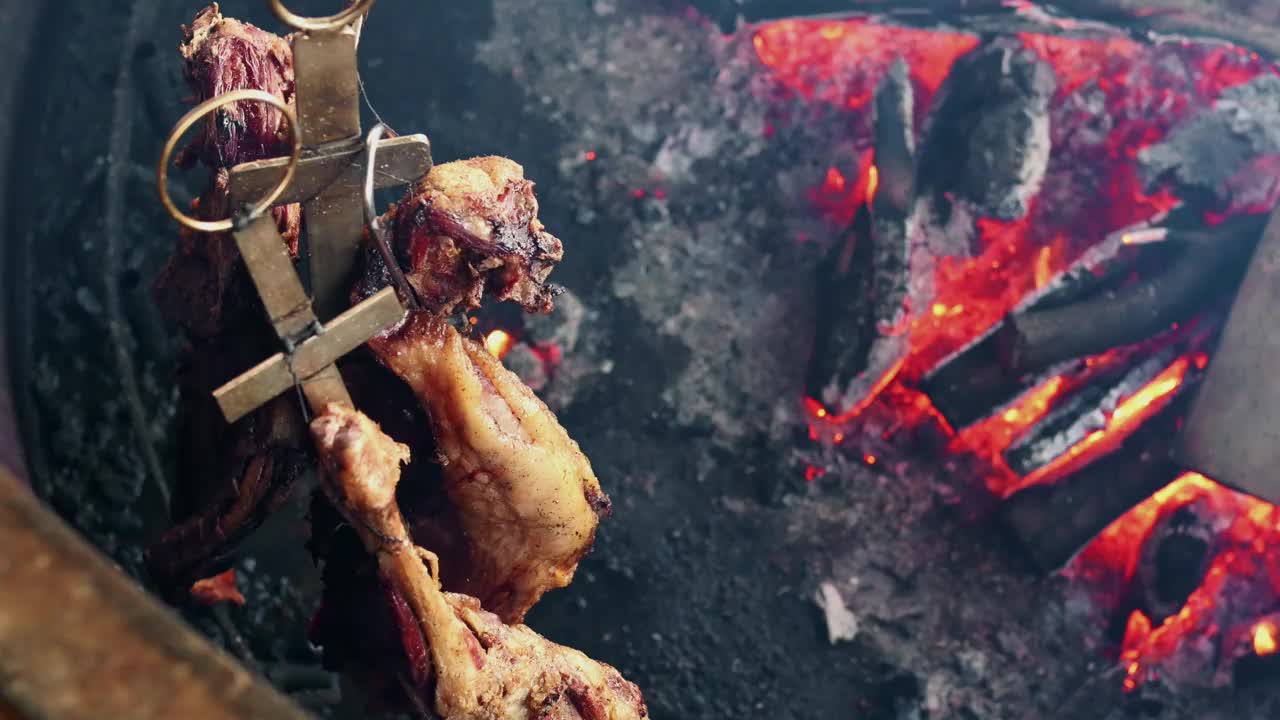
483, 669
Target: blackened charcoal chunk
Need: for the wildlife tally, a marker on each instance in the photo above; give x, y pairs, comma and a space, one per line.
1217, 149
987, 140
1174, 558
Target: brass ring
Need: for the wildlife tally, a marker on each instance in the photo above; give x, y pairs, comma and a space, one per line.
320, 24
196, 115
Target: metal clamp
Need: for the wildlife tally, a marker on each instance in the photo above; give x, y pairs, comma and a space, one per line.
320, 24
196, 115
374, 222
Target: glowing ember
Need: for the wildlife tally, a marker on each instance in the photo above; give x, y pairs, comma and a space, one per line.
1240, 585
1091, 189
989, 438
498, 343
1128, 416
804, 54
1264, 638
218, 589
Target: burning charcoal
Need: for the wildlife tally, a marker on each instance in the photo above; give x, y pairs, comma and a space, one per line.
856, 355
1087, 410
1054, 521
894, 197
845, 335
974, 382
1203, 156
1174, 559
988, 140
1191, 277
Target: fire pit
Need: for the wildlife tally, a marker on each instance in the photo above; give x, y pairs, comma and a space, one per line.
878, 331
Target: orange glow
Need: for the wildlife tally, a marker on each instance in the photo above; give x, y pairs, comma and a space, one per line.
1243, 553
498, 343
218, 589
988, 438
1143, 89
1128, 416
1264, 638
835, 181
812, 473
803, 54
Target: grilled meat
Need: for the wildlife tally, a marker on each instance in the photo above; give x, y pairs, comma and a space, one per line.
522, 491
481, 668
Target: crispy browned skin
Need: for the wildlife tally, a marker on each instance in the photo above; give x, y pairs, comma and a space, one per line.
522, 490
470, 228
483, 669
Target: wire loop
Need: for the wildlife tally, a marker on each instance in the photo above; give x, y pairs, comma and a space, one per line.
196, 115
328, 23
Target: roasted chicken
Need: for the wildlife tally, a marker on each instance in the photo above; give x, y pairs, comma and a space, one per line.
481, 668
522, 491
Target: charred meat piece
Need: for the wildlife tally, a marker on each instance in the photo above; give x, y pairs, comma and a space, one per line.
231, 477
482, 668
471, 228
222, 54
204, 287
522, 491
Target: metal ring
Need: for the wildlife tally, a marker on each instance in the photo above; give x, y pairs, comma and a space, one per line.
196, 115
320, 24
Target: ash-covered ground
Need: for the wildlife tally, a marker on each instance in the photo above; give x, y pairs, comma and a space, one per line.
725, 584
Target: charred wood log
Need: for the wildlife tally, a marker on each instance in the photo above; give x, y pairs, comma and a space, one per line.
1089, 408
1052, 522
844, 335
974, 382
1175, 556
1216, 155
1194, 274
988, 138
858, 351
1092, 307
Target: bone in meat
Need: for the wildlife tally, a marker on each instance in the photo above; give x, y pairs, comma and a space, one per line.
523, 492
484, 669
